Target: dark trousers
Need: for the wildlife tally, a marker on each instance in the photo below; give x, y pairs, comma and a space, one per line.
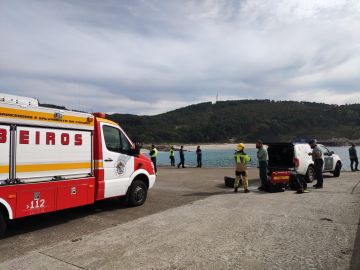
352, 161
301, 181
172, 161
263, 173
318, 163
154, 162
182, 163
199, 161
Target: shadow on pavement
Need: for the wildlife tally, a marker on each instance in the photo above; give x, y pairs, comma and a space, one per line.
355, 259
205, 194
38, 222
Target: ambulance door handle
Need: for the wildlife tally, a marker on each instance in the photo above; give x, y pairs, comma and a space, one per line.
108, 160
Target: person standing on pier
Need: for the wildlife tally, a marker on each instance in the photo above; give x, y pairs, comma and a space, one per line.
153, 154
353, 158
172, 156
199, 157
182, 157
262, 156
318, 158
241, 159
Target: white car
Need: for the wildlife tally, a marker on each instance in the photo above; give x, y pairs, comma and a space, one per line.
295, 157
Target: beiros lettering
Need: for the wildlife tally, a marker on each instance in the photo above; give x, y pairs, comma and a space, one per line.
24, 137
65, 139
3, 134
37, 137
49, 138
78, 139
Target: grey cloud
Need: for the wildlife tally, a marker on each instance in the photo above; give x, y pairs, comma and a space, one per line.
153, 56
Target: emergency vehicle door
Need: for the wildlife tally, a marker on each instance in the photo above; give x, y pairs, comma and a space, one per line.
118, 165
5, 152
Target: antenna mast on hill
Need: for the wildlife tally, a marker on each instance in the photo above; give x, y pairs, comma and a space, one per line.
217, 97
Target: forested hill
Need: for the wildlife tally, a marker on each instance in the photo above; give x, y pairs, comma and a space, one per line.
244, 120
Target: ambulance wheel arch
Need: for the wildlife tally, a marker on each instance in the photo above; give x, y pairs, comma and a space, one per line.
137, 191
5, 215
5, 209
144, 175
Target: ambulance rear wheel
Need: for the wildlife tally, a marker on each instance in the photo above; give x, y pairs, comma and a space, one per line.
3, 225
137, 193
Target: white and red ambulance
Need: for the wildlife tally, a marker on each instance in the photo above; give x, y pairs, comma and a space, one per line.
55, 159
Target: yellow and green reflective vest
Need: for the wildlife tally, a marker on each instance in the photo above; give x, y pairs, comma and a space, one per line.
172, 153
241, 157
154, 153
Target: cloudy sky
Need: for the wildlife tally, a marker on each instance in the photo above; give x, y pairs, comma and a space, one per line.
152, 56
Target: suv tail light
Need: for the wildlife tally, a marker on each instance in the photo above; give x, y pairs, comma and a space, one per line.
296, 162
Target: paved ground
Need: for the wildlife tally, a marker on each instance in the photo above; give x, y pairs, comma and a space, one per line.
173, 188
191, 221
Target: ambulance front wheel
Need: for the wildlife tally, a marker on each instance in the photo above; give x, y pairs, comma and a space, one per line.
137, 193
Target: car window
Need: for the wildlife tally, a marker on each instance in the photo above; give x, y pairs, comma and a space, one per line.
125, 144
116, 140
112, 138
323, 149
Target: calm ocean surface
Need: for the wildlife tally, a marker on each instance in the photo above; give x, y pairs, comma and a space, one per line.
224, 157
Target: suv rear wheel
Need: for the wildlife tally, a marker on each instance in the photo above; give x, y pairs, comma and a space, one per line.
310, 174
337, 170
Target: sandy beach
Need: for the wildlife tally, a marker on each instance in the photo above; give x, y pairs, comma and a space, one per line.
192, 147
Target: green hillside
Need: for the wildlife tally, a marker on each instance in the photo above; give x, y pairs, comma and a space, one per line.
244, 120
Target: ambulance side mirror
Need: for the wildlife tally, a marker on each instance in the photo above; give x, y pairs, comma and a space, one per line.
135, 151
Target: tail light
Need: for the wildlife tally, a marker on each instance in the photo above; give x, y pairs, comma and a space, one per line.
296, 162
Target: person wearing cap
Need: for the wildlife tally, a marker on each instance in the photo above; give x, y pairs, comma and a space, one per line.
318, 158
182, 157
153, 154
353, 158
262, 156
241, 159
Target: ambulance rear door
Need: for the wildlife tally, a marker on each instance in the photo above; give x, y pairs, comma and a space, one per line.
44, 154
5, 152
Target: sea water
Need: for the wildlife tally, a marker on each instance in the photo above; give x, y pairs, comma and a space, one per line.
217, 158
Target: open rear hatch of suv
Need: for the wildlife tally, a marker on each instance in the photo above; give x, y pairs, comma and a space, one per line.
281, 156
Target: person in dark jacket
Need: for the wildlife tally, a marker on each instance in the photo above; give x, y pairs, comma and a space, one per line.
182, 157
262, 156
318, 158
199, 157
353, 158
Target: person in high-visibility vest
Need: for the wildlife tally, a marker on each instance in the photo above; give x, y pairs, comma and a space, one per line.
153, 154
172, 156
241, 159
